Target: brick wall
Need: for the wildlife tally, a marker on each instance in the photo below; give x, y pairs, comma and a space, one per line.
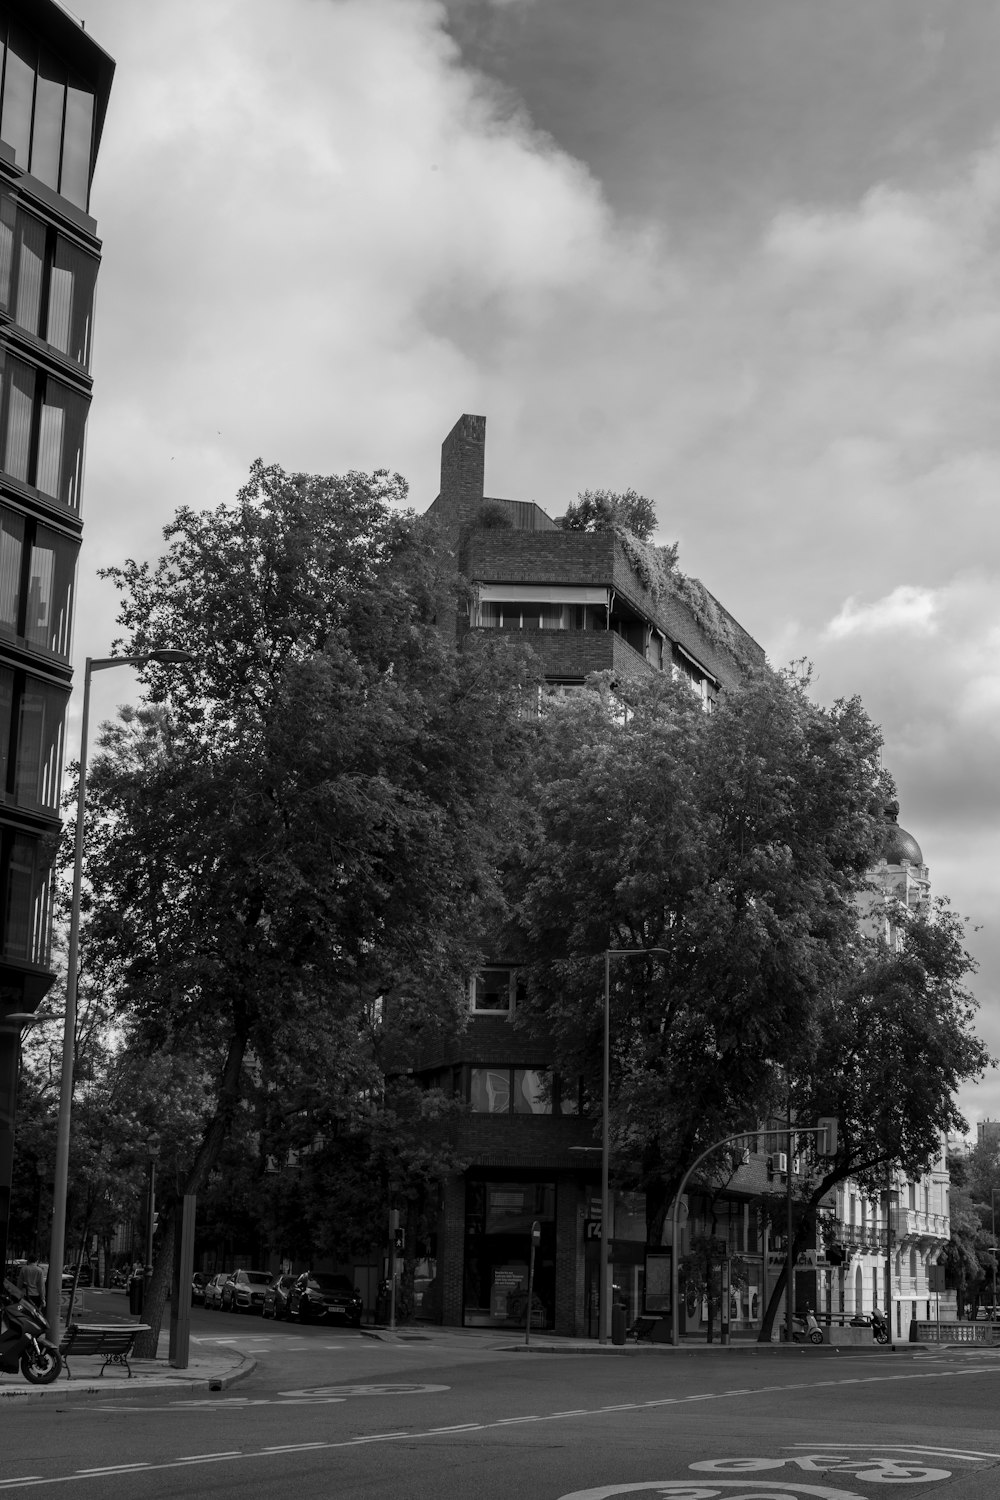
463, 465
581, 557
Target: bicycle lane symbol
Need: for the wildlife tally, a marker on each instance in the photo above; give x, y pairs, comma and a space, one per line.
714, 1481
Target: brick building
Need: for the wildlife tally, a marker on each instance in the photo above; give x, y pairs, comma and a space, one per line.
591, 602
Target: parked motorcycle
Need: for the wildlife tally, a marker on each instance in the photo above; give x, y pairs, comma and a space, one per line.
876, 1321
24, 1341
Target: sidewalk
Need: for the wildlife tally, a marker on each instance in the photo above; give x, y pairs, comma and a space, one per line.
205, 1372
501, 1341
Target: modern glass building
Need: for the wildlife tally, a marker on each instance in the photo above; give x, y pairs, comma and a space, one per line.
54, 87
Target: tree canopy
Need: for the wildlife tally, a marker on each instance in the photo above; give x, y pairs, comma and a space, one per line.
292, 825
735, 845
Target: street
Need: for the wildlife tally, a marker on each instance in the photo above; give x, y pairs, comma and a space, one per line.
446, 1414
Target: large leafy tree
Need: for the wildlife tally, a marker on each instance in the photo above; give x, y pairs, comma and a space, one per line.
894, 1040
294, 822
733, 844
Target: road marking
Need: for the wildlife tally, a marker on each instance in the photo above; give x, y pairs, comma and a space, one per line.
111, 1469
458, 1427
197, 1458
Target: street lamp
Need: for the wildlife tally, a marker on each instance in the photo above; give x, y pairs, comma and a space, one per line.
609, 953
993, 1215
60, 1185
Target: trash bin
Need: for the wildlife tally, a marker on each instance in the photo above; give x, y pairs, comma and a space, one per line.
135, 1291
618, 1323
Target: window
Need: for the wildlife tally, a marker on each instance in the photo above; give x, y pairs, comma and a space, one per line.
46, 116
47, 282
25, 899
42, 424
494, 992
510, 1090
32, 719
37, 567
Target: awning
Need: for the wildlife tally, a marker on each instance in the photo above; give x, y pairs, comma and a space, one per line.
542, 593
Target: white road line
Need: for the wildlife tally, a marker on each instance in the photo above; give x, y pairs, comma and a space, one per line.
197, 1458
111, 1469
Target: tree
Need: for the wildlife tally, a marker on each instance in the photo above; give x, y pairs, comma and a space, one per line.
294, 822
608, 510
893, 1042
733, 844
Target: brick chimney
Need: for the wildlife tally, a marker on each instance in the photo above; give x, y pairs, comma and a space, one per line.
463, 463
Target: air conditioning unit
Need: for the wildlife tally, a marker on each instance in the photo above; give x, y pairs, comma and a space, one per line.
777, 1163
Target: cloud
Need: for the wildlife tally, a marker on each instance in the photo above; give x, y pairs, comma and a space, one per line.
326, 237
906, 609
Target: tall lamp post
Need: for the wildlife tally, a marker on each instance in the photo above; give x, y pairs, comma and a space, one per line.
993, 1211
605, 1311
60, 1185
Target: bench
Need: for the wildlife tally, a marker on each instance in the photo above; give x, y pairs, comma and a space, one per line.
113, 1343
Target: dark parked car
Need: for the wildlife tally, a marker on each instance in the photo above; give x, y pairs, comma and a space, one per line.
276, 1297
198, 1283
213, 1291
322, 1294
244, 1291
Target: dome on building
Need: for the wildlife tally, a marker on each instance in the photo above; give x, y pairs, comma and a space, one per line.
899, 847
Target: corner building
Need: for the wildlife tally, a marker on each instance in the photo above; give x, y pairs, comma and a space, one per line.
588, 607
54, 87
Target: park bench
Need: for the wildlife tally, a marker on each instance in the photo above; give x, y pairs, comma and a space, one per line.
112, 1343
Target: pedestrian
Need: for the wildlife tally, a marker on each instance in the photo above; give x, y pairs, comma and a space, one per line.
31, 1282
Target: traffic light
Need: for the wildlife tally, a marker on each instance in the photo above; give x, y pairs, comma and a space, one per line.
397, 1241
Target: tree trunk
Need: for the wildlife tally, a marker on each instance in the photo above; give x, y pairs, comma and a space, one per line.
208, 1154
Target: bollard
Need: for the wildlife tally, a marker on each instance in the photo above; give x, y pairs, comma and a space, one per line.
618, 1323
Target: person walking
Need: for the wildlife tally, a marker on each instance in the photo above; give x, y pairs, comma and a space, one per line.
31, 1281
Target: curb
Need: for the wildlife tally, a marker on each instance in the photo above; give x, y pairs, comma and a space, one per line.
142, 1380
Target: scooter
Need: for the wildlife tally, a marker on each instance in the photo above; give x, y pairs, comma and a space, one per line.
810, 1332
24, 1341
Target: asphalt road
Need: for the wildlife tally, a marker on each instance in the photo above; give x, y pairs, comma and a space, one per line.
331, 1413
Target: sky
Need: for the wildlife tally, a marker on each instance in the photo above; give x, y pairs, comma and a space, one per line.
741, 255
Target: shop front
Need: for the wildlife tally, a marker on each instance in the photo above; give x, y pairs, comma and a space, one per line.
499, 1214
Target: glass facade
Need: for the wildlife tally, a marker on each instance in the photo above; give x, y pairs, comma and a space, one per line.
42, 427
25, 899
47, 114
47, 281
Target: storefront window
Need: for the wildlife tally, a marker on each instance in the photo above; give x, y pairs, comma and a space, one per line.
498, 1221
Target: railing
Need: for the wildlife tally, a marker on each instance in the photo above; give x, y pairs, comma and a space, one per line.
954, 1333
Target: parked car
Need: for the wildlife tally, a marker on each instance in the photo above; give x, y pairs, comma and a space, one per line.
199, 1281
244, 1291
323, 1294
276, 1297
213, 1289
86, 1275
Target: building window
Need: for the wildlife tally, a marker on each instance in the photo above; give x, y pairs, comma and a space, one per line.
46, 115
510, 1091
47, 282
25, 898
37, 567
32, 720
494, 992
42, 424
